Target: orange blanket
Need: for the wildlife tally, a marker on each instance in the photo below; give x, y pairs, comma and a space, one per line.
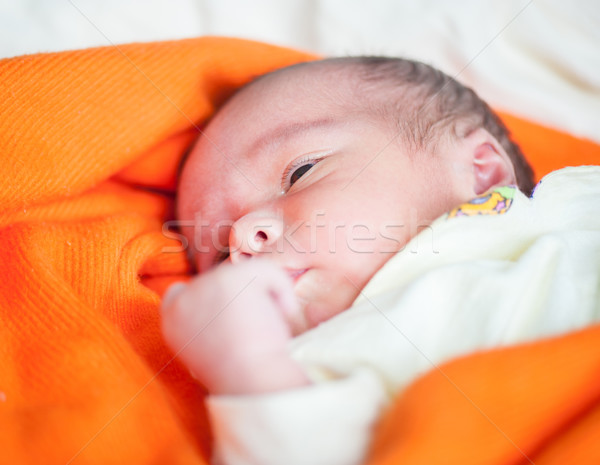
90, 141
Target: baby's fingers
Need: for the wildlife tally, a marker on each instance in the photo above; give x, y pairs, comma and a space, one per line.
171, 328
280, 288
171, 294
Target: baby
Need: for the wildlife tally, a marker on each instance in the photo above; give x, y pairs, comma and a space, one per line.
302, 187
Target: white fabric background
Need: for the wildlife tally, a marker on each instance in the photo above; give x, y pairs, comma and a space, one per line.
537, 58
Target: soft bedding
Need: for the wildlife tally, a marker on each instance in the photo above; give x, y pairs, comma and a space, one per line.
90, 143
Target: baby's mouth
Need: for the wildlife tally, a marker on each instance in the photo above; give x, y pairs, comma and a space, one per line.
296, 274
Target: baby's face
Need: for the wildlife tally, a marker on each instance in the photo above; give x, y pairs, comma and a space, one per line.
287, 173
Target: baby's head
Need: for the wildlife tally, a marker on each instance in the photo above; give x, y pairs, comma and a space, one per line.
328, 168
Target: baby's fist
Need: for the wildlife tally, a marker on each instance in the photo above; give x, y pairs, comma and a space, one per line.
231, 326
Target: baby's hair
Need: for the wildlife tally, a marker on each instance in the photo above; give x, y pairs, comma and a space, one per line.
423, 104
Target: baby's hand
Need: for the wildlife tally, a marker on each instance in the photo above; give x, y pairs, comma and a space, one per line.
231, 326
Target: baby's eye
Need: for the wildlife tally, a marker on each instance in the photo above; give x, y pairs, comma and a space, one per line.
299, 172
296, 170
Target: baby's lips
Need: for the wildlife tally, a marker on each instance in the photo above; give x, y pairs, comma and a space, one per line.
295, 274
171, 294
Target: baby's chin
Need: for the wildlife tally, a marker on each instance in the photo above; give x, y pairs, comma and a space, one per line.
323, 306
317, 313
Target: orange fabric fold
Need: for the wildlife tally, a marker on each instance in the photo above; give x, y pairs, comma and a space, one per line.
90, 142
536, 403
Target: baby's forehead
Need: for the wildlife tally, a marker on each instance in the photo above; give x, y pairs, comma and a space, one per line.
285, 102
342, 82
295, 94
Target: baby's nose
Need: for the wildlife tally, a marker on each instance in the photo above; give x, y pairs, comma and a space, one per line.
253, 234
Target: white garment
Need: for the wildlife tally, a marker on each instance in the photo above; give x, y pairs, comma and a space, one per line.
464, 284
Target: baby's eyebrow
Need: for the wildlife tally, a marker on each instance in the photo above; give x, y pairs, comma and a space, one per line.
288, 130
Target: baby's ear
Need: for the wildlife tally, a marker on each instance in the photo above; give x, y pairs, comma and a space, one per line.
491, 164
